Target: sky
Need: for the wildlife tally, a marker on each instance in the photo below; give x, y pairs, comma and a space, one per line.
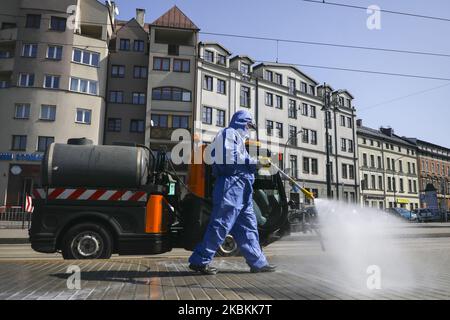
413, 107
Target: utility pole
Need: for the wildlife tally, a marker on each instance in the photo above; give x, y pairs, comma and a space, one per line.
327, 121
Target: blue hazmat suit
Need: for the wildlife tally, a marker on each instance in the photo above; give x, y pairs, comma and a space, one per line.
232, 197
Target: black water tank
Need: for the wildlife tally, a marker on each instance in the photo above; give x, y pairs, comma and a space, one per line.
84, 165
79, 141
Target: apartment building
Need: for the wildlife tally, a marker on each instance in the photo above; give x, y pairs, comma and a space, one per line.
53, 71
388, 169
127, 81
288, 109
433, 168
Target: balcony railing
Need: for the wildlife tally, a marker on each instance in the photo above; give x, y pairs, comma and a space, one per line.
8, 35
163, 133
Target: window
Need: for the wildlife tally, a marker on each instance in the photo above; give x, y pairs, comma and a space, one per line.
279, 102
314, 137
343, 144
379, 162
4, 84
29, 50
364, 159
161, 64
207, 115
349, 122
278, 78
291, 86
138, 98
293, 135
312, 90
279, 127
124, 44
245, 97
380, 183
116, 96
269, 127
83, 116
268, 75
409, 186
351, 172
33, 21
26, 80
269, 99
313, 111
48, 113
5, 54
181, 65
314, 166
344, 171
341, 101
180, 122
305, 135
292, 109
350, 146
138, 45
44, 143
58, 23
137, 126
245, 68
372, 161
208, 83
221, 59
19, 143
304, 109
8, 25
373, 182
220, 121
117, 71
293, 165
173, 49
83, 86
401, 186
22, 111
54, 52
342, 121
140, 72
114, 124
221, 86
306, 165
86, 57
51, 82
171, 94
209, 56
303, 87
159, 120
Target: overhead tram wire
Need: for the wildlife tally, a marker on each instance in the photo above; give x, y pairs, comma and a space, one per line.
409, 14
274, 39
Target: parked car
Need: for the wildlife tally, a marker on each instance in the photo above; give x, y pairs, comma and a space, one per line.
428, 215
403, 213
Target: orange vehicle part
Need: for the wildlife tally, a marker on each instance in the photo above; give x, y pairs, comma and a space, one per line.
196, 175
155, 221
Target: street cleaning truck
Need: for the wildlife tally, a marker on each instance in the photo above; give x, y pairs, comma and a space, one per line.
99, 200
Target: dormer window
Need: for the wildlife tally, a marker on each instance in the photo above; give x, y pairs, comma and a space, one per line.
245, 68
209, 56
221, 59
278, 78
268, 75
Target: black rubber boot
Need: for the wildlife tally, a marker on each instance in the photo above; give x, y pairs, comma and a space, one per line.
266, 268
203, 269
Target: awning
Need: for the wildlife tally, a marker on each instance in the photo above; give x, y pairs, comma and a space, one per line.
400, 200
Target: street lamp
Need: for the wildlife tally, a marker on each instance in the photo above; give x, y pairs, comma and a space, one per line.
327, 105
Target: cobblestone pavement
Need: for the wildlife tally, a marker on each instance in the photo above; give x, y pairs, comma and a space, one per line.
305, 272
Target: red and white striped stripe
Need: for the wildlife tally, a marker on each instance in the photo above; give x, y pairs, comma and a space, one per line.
90, 194
28, 204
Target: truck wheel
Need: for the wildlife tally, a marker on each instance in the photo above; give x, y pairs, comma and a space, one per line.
87, 241
228, 248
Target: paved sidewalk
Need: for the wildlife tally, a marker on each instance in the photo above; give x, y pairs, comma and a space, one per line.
11, 236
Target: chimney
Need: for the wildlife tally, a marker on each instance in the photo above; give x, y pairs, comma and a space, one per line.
140, 16
387, 131
359, 123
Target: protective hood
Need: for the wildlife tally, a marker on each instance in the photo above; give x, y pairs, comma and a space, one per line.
239, 122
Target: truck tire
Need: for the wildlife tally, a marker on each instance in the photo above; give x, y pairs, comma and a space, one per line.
228, 248
87, 241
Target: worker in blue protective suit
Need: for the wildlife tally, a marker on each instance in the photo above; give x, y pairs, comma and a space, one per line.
232, 200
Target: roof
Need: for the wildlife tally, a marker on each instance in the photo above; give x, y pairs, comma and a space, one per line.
122, 23
284, 65
245, 57
378, 134
208, 43
175, 18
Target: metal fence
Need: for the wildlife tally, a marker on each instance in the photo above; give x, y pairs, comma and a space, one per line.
14, 218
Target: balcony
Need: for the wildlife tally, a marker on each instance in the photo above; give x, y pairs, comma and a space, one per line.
8, 35
162, 133
6, 65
